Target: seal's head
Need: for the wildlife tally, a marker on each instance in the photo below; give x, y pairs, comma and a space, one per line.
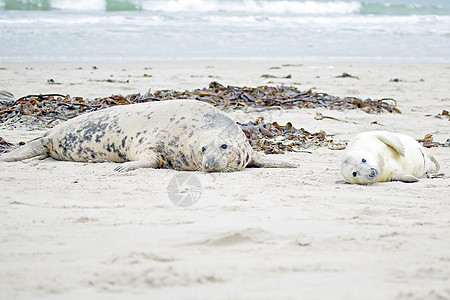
360, 168
225, 154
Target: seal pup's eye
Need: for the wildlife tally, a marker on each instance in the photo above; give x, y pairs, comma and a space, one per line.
224, 146
354, 174
203, 149
364, 160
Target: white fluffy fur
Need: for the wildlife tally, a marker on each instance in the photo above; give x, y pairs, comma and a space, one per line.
379, 156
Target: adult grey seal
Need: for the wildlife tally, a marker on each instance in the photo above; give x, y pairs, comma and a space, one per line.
176, 134
378, 156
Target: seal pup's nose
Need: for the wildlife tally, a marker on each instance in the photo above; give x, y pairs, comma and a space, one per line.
373, 173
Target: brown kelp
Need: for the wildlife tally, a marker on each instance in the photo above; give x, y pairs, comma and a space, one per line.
46, 110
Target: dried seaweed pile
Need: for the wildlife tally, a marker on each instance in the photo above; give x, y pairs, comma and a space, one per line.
47, 108
44, 110
428, 142
273, 138
281, 96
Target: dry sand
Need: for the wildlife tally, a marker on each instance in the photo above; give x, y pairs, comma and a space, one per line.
72, 230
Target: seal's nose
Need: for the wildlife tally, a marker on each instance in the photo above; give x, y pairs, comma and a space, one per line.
210, 164
373, 173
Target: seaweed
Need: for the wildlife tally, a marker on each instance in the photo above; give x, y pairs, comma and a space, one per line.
48, 109
428, 142
56, 106
272, 138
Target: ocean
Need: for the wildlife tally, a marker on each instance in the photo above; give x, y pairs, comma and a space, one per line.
295, 30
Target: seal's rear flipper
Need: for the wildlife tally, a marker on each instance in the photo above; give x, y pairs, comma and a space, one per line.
31, 149
262, 161
397, 176
438, 167
392, 141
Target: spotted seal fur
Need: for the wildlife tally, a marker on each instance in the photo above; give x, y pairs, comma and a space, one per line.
176, 134
378, 156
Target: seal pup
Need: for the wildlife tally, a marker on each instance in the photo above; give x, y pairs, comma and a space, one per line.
379, 156
177, 134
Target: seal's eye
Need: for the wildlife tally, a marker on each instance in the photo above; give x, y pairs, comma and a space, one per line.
224, 146
203, 149
354, 174
364, 160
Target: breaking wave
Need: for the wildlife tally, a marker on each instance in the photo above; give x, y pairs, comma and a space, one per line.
367, 7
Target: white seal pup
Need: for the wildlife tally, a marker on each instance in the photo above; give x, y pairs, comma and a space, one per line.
176, 134
378, 156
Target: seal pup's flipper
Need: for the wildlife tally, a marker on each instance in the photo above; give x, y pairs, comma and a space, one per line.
262, 161
391, 141
31, 149
397, 176
438, 167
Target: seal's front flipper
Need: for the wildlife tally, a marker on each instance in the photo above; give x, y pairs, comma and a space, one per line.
262, 161
132, 165
31, 149
397, 176
392, 141
150, 160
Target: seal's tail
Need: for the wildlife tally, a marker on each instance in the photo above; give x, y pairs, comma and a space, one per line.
31, 149
438, 167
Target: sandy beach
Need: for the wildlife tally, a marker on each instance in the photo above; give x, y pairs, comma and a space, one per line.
72, 230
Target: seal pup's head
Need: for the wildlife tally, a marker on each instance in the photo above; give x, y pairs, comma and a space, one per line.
360, 168
224, 154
